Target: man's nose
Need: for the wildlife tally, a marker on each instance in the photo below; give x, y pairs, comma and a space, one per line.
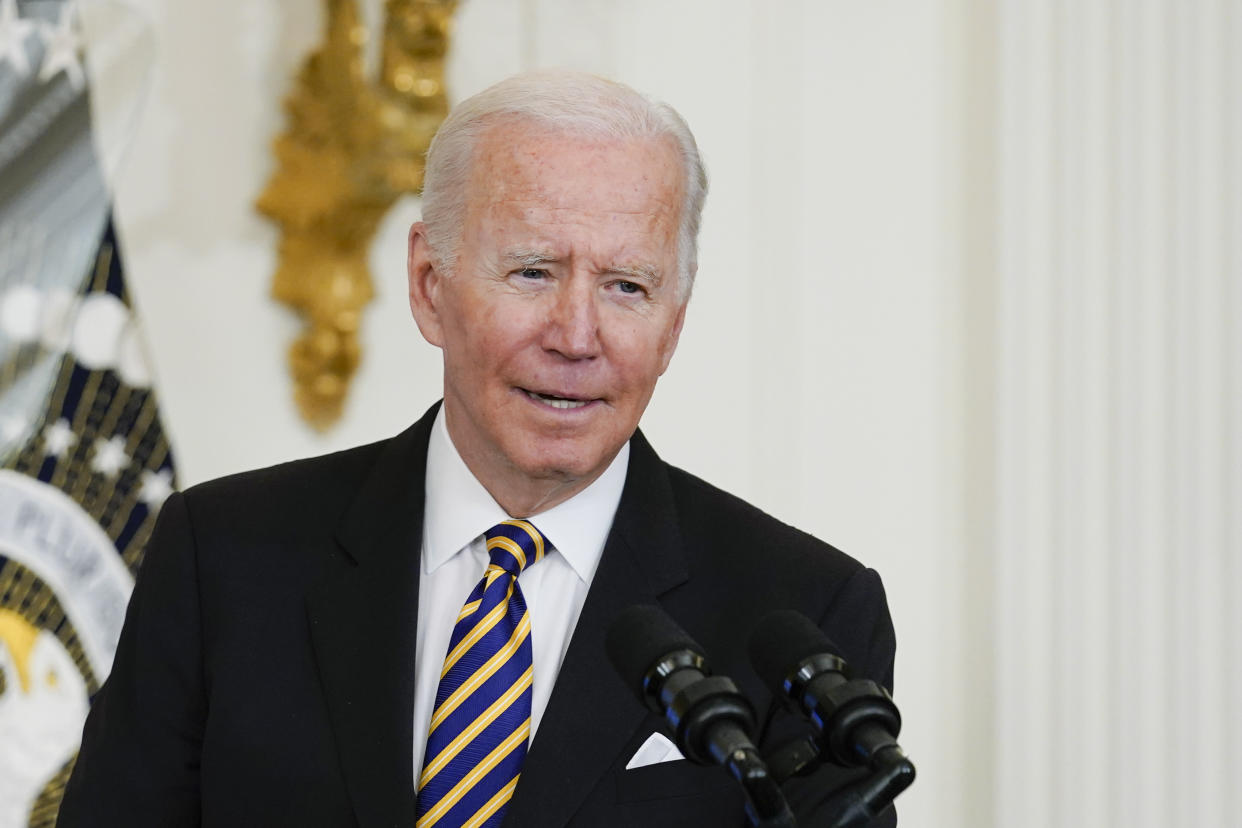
573, 325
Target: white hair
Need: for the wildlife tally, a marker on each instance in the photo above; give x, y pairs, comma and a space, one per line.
577, 103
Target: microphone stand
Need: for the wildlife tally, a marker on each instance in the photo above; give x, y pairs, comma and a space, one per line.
862, 725
864, 800
856, 722
765, 802
862, 736
692, 705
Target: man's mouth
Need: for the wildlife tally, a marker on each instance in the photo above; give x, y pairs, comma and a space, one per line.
555, 401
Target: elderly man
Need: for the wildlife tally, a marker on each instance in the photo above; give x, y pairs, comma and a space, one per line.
411, 633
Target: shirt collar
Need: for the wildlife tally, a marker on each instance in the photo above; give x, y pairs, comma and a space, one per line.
458, 509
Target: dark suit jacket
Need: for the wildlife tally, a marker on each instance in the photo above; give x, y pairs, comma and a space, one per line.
265, 675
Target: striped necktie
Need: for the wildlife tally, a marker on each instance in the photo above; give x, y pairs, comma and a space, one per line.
481, 723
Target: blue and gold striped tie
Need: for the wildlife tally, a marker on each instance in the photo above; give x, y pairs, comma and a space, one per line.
481, 724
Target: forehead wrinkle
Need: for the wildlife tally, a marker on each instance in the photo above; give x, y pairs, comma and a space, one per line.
534, 204
523, 191
540, 216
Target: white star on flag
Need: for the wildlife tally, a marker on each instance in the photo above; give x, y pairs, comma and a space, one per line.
156, 487
13, 33
58, 438
12, 427
63, 46
110, 456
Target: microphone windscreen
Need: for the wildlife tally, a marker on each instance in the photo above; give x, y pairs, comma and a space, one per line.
780, 642
639, 637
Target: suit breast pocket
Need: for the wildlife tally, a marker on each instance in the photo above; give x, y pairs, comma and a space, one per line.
678, 778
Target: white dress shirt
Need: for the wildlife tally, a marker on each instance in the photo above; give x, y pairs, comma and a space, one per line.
457, 512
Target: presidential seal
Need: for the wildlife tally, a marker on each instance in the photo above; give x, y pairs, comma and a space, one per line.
63, 592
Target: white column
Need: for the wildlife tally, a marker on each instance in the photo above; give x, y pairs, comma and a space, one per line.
1120, 414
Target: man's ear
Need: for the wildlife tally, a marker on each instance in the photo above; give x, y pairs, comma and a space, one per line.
425, 282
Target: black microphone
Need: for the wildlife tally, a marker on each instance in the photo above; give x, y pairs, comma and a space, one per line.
856, 720
712, 723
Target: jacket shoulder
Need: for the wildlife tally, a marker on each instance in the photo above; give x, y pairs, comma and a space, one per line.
709, 511
743, 559
316, 490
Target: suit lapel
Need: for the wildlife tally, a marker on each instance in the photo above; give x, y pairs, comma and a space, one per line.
591, 713
363, 617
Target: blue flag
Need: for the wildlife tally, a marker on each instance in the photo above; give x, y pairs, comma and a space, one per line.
84, 463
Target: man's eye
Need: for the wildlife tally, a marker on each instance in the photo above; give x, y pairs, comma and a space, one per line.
629, 287
532, 273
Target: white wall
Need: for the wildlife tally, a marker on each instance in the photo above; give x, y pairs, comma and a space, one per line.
1119, 548
831, 366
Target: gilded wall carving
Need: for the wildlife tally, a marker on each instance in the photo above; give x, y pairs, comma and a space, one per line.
352, 146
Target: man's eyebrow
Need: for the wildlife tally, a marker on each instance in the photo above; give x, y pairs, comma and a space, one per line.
527, 257
641, 272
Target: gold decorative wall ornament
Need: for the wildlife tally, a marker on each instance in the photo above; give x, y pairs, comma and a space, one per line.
352, 147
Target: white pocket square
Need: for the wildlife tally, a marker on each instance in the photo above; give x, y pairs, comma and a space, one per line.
656, 749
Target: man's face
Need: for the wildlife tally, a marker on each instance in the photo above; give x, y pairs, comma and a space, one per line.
563, 309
